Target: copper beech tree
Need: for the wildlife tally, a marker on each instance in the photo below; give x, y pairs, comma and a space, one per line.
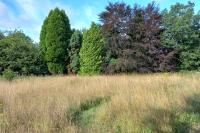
133, 39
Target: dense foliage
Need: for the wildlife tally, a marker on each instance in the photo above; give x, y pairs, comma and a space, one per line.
8, 75
55, 37
74, 47
133, 36
21, 55
91, 52
182, 32
129, 39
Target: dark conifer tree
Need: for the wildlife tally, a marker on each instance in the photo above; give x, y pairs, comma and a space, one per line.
74, 46
54, 41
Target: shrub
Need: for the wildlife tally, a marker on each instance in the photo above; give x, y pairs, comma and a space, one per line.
8, 75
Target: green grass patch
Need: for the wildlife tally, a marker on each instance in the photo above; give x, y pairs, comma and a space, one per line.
85, 114
1, 106
1, 112
185, 122
182, 120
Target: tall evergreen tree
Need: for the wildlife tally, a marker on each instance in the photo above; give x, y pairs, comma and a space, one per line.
54, 41
91, 52
43, 38
74, 46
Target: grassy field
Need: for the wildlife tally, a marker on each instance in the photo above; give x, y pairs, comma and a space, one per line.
154, 103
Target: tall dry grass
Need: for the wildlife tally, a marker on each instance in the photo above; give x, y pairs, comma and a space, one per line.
40, 104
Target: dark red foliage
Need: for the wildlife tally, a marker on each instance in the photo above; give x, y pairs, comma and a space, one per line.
133, 39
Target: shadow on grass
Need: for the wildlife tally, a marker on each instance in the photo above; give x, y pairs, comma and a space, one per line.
185, 120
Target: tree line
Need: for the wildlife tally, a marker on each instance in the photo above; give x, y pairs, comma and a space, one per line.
128, 39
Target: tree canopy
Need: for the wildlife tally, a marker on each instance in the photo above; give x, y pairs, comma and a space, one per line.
21, 55
182, 32
133, 39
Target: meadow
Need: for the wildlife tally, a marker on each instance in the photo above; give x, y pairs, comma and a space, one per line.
136, 103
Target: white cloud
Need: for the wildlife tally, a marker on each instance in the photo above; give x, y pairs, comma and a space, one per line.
3, 9
7, 17
31, 15
90, 13
29, 8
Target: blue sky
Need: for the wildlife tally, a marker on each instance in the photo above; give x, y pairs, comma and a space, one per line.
28, 15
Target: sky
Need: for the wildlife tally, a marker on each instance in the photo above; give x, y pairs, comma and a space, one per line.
28, 15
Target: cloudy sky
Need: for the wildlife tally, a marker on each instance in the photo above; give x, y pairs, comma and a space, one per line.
28, 15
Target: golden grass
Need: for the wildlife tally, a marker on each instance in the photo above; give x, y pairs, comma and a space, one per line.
40, 104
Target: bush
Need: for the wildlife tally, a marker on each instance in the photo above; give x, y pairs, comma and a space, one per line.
8, 75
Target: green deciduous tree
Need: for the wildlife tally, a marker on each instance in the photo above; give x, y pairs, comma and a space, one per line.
75, 45
54, 41
91, 51
19, 54
182, 32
